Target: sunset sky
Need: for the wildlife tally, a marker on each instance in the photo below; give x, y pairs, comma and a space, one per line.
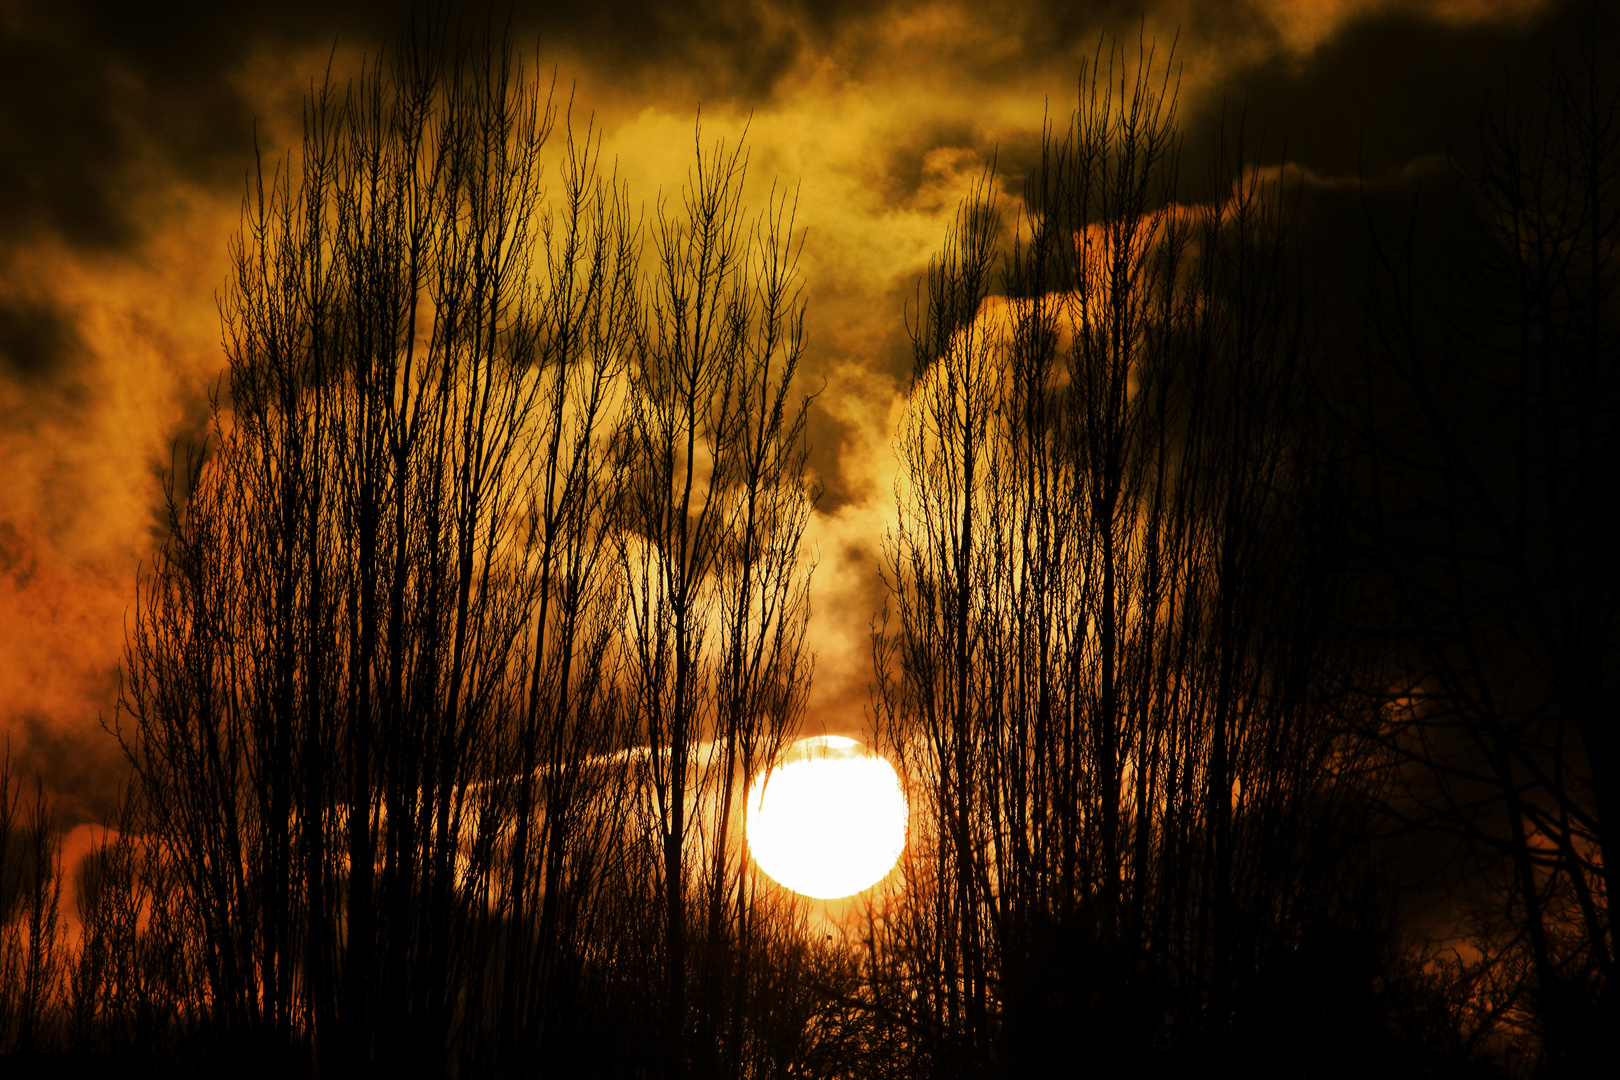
126, 133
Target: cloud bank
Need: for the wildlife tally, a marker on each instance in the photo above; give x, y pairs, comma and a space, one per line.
126, 136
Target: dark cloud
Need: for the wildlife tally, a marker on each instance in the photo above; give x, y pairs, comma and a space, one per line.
88, 90
85, 767
36, 339
92, 92
1060, 32
1387, 89
732, 47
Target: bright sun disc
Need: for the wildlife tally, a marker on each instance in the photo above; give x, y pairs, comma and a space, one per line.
829, 821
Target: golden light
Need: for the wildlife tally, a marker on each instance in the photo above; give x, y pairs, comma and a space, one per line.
830, 820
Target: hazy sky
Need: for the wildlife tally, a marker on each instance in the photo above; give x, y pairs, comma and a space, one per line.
125, 136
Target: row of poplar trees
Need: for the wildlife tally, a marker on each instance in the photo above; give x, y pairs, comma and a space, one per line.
1112, 649
1254, 662
489, 592
490, 577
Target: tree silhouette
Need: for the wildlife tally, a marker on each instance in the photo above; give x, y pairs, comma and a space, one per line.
1489, 436
1116, 678
492, 572
713, 525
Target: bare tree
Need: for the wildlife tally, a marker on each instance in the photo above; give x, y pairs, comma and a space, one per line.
31, 931
375, 651
714, 523
1113, 675
1491, 441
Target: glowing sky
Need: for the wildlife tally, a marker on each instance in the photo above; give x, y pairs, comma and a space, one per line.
125, 136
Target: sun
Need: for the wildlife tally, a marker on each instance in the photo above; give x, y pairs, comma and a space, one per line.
829, 820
